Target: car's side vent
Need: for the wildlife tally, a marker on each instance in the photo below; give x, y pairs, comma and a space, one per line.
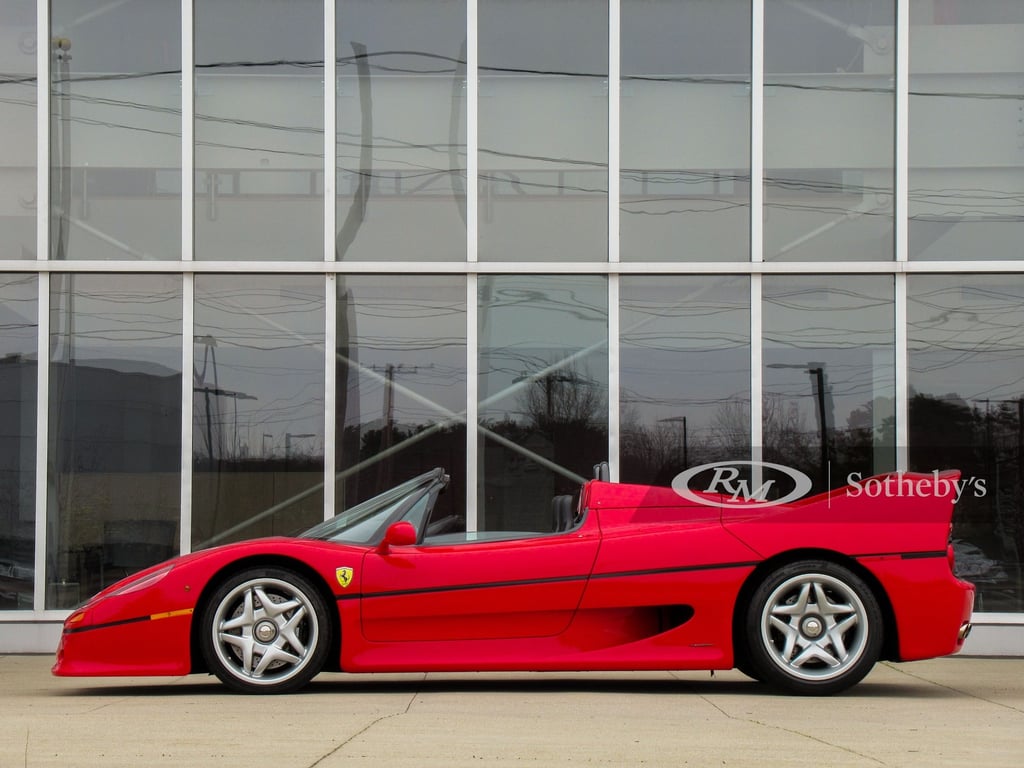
672, 616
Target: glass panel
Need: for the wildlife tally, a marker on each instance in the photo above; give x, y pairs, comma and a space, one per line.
258, 406
543, 381
685, 190
18, 118
966, 343
829, 376
18, 327
829, 138
684, 368
543, 130
115, 105
401, 130
966, 135
115, 429
259, 127
401, 397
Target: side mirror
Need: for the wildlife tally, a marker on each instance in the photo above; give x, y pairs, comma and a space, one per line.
400, 534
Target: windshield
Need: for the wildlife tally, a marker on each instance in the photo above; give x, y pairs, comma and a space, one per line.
362, 523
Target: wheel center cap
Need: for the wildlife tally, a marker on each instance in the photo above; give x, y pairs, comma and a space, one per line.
265, 631
812, 626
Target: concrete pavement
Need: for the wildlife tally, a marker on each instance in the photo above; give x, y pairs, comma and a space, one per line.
957, 711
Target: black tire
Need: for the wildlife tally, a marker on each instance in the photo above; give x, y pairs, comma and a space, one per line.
748, 670
813, 628
256, 650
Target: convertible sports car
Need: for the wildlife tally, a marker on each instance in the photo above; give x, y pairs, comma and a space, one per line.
805, 595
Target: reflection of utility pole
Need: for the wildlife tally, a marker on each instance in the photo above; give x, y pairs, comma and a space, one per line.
817, 370
199, 385
818, 373
388, 416
548, 380
685, 446
288, 437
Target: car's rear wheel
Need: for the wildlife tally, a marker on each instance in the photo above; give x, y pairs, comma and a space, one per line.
813, 627
265, 630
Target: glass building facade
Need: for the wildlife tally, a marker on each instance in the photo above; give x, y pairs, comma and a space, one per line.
247, 280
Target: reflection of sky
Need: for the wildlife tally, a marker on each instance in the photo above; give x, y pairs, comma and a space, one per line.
685, 349
966, 337
268, 335
126, 322
18, 322
659, 385
418, 326
530, 324
846, 328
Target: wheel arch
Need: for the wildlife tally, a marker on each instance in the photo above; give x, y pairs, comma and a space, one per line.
333, 663
890, 637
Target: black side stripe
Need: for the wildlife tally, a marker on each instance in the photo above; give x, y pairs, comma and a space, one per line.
903, 555
118, 623
922, 555
615, 575
550, 580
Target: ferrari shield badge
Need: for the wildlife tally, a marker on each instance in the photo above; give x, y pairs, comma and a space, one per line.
344, 576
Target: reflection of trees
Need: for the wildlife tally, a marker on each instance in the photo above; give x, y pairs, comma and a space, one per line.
563, 419
655, 453
983, 441
652, 453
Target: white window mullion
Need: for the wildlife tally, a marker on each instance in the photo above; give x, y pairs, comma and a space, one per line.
187, 400
188, 177
757, 132
614, 392
472, 137
614, 160
331, 282
472, 403
188, 111
472, 334
902, 245
614, 74
42, 432
756, 377
43, 49
756, 233
901, 160
902, 374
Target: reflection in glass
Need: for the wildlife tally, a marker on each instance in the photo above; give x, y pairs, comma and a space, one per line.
543, 385
401, 385
828, 130
259, 117
18, 327
966, 140
829, 376
18, 118
258, 406
115, 149
115, 429
684, 374
543, 135
685, 189
401, 156
966, 343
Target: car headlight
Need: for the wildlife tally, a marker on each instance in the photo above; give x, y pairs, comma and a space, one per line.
143, 583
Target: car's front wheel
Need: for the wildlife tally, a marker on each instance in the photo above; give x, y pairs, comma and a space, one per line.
265, 630
813, 627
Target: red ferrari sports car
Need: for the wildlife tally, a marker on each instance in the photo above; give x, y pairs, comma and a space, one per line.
806, 595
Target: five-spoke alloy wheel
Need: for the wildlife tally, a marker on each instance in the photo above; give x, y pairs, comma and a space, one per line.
265, 630
813, 627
